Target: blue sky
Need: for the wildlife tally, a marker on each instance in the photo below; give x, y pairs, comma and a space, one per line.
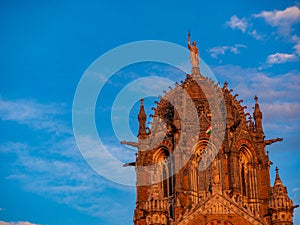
45, 48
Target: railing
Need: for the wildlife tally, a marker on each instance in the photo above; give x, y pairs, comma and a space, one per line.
157, 205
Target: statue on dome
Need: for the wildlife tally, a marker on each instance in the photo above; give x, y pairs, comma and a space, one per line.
194, 53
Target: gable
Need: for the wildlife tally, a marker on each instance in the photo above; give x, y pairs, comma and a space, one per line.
219, 208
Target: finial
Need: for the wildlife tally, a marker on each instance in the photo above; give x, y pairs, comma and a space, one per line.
225, 86
142, 101
256, 99
276, 169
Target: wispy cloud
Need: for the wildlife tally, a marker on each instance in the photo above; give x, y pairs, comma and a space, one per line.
236, 23
285, 111
221, 50
245, 25
16, 223
276, 92
36, 116
297, 189
61, 174
279, 58
56, 169
256, 35
297, 47
250, 81
282, 19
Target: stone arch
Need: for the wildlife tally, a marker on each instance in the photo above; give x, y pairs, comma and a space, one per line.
154, 154
196, 142
204, 152
246, 147
161, 154
198, 149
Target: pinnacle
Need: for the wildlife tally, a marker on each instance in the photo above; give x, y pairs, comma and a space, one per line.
277, 179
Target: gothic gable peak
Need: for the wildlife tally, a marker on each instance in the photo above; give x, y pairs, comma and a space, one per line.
219, 204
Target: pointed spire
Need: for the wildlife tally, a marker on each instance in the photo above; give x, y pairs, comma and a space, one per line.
256, 108
277, 179
257, 115
142, 117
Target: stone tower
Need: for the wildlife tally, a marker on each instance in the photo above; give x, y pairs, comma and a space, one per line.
204, 161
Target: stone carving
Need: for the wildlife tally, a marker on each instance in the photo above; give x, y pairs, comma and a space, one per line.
194, 53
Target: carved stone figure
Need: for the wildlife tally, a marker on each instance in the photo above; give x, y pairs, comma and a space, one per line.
194, 53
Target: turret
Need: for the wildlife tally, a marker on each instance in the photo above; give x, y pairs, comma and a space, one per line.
257, 116
227, 99
281, 206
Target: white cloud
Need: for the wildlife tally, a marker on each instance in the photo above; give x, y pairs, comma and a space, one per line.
297, 48
16, 223
244, 25
283, 19
236, 23
221, 50
256, 35
36, 116
279, 58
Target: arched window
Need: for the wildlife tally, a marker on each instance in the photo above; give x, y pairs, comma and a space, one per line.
166, 172
204, 153
248, 173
